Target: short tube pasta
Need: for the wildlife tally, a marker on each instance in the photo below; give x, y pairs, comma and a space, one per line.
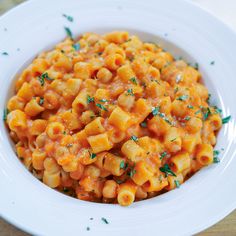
112, 119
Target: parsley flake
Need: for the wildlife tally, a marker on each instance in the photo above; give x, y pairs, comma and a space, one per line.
215, 156
76, 46
163, 154
41, 101
105, 220
226, 119
196, 66
68, 32
131, 173
166, 169
134, 80
92, 155
187, 118
143, 124
155, 111
177, 183
130, 92
172, 140
101, 106
69, 18
134, 138
123, 165
206, 113
182, 98
190, 106
89, 99
5, 113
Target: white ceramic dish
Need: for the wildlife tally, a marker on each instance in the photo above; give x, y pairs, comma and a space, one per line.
180, 27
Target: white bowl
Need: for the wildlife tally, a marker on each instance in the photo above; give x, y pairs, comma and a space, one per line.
181, 28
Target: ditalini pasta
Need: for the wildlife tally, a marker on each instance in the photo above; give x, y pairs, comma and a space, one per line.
109, 118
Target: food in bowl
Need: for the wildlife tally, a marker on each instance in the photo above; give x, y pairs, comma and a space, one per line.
109, 118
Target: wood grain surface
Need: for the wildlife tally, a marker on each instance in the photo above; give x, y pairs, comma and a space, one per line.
226, 227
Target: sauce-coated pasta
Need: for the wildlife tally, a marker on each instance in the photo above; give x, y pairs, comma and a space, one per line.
109, 118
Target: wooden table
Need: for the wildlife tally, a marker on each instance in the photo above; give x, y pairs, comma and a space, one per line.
227, 226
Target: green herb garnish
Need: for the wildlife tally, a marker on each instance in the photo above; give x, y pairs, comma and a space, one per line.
89, 99
41, 101
5, 113
105, 220
69, 18
196, 66
215, 156
163, 154
130, 92
93, 155
143, 124
76, 46
209, 97
155, 111
68, 32
101, 106
206, 113
217, 110
123, 165
134, 138
190, 106
134, 80
176, 89
187, 118
177, 183
172, 140
131, 173
166, 169
226, 119
182, 98
197, 112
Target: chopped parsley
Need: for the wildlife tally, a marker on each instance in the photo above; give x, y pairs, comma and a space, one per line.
187, 118
76, 46
134, 138
123, 165
163, 154
105, 220
65, 190
177, 183
206, 113
101, 106
166, 169
5, 113
64, 132
217, 110
196, 66
172, 140
92, 155
131, 173
69, 18
5, 53
130, 92
43, 77
197, 112
68, 32
212, 63
134, 80
190, 106
226, 119
143, 124
215, 156
209, 97
41, 101
182, 98
103, 100
89, 99
155, 111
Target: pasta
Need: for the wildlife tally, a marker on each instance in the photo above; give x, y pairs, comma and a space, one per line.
109, 118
